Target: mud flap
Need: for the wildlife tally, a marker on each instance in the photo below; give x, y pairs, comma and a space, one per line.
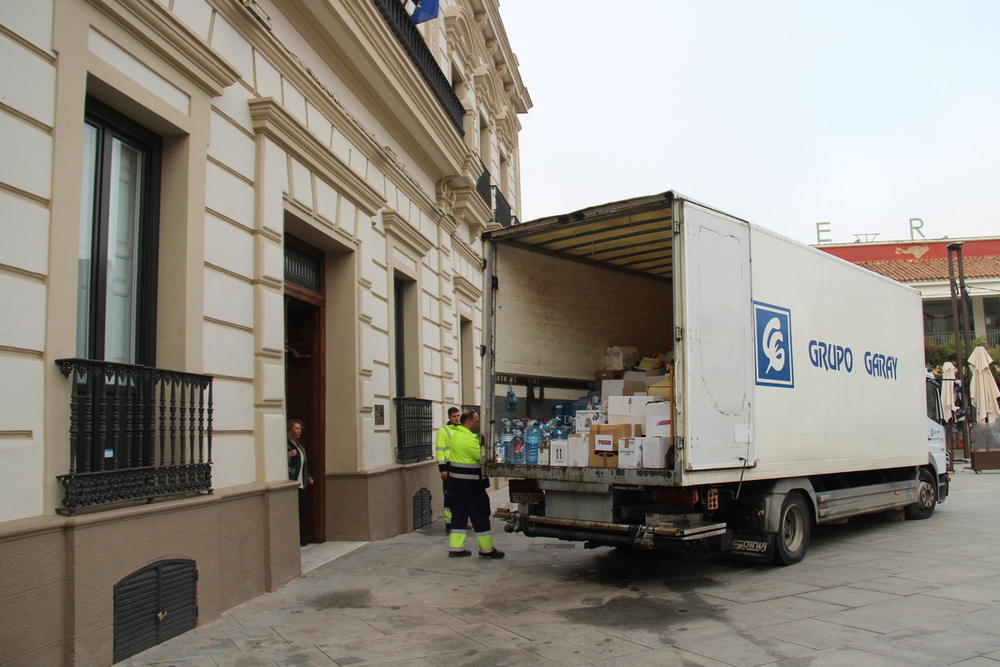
753, 547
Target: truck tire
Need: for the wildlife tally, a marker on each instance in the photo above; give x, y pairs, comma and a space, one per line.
792, 538
926, 497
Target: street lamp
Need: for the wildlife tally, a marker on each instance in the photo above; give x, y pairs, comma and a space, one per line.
960, 317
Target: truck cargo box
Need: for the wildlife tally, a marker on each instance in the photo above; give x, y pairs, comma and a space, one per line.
787, 361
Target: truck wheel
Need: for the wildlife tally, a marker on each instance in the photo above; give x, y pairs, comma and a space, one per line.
926, 497
792, 539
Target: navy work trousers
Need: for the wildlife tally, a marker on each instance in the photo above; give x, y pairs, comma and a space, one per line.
469, 501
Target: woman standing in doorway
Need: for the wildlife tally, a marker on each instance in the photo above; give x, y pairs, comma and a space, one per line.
298, 470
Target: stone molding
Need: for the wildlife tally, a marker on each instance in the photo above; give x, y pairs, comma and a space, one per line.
164, 34
274, 121
467, 289
401, 230
327, 102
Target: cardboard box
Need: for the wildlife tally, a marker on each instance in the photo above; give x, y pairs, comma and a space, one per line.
630, 410
608, 375
645, 378
630, 452
578, 451
630, 405
584, 419
662, 389
659, 419
558, 453
654, 452
629, 460
612, 388
637, 422
603, 440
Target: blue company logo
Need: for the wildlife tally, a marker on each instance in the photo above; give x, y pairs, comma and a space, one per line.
774, 345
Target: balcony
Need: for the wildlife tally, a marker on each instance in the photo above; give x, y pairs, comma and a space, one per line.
409, 37
414, 430
501, 211
136, 433
992, 337
483, 188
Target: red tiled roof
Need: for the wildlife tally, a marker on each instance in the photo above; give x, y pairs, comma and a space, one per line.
915, 270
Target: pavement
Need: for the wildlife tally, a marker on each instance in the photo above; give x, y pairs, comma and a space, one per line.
871, 592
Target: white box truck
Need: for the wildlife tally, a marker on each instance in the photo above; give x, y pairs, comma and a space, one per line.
798, 397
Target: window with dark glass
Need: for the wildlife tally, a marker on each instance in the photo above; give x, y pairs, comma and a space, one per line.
116, 291
136, 432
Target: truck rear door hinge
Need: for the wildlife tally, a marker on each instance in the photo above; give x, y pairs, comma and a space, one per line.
678, 333
678, 442
677, 226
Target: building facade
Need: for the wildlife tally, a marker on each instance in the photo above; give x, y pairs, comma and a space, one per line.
219, 215
923, 265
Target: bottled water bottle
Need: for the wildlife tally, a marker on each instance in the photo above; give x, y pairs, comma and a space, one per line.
504, 446
532, 437
516, 445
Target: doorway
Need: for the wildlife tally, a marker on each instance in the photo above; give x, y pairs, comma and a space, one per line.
305, 380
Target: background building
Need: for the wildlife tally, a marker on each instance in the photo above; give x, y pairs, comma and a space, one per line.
924, 266
218, 215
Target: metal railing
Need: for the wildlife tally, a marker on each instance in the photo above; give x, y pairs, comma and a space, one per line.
992, 337
412, 41
501, 211
136, 433
484, 189
414, 430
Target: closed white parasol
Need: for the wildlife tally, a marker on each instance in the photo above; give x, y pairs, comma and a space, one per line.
948, 405
983, 390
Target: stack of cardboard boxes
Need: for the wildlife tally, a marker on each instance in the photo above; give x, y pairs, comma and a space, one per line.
631, 430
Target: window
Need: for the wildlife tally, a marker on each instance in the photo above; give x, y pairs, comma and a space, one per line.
136, 432
118, 238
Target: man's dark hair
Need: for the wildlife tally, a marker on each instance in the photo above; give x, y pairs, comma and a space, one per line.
467, 416
452, 411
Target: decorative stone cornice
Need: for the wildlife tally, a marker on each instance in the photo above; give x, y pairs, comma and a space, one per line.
163, 33
470, 208
329, 104
404, 232
462, 286
274, 121
466, 251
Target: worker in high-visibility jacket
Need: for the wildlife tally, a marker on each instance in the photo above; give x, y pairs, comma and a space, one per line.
442, 445
467, 491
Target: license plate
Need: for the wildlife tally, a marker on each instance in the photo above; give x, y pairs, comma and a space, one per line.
525, 497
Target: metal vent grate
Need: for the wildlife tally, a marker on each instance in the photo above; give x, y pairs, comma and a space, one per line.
422, 514
153, 605
302, 269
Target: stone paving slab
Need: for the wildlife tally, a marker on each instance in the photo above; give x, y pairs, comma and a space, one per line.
871, 592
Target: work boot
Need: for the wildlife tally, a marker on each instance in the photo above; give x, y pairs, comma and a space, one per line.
459, 554
495, 553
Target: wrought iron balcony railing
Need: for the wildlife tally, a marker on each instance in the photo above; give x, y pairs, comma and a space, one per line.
483, 188
402, 26
414, 430
136, 433
501, 211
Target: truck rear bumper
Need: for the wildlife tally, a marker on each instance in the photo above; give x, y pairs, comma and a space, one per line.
664, 534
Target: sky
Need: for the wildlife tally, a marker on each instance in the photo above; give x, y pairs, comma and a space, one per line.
857, 113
